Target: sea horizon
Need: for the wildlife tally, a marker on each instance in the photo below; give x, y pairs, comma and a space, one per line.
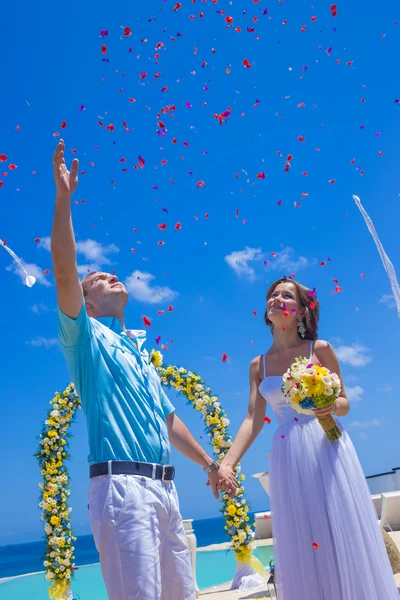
27, 557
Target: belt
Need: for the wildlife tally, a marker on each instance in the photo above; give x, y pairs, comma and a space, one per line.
125, 467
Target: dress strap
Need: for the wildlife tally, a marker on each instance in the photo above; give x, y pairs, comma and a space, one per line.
311, 349
265, 364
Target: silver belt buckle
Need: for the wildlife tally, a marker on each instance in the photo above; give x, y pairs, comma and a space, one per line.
164, 472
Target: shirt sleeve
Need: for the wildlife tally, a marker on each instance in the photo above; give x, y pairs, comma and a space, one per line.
166, 404
73, 332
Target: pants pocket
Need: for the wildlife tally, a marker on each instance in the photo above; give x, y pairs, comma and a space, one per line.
119, 491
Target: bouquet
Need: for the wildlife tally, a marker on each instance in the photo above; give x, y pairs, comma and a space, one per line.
307, 387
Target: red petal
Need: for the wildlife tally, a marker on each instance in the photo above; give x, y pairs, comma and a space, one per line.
146, 322
3, 158
268, 420
37, 240
127, 32
63, 125
104, 49
12, 167
170, 308
225, 357
315, 545
163, 226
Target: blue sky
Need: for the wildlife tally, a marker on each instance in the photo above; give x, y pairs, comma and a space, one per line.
53, 66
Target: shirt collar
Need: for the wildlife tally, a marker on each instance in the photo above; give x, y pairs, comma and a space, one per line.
139, 335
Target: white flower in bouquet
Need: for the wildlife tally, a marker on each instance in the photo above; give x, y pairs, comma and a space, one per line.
48, 528
242, 536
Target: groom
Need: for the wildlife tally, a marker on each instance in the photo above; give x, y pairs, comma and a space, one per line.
133, 504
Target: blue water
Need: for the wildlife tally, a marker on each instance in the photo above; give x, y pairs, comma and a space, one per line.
213, 568
27, 558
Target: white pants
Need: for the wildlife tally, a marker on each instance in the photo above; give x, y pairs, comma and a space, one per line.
139, 535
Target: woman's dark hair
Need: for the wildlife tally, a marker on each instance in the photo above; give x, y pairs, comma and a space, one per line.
308, 302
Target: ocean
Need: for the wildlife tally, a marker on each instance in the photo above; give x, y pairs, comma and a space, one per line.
18, 559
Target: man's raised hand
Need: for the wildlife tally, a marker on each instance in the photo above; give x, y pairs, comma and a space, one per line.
66, 181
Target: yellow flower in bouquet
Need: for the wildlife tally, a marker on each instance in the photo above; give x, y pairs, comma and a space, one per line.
307, 387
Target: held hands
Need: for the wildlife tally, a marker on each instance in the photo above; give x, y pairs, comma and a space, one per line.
224, 480
66, 181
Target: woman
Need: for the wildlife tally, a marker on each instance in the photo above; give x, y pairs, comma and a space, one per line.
327, 542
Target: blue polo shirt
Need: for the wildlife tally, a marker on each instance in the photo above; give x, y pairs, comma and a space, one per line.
121, 393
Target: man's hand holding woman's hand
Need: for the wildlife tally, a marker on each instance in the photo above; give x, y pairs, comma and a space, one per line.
223, 480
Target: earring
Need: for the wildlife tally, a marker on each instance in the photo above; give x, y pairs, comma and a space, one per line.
301, 328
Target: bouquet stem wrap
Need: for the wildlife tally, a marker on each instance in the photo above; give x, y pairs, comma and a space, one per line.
328, 424
59, 589
245, 556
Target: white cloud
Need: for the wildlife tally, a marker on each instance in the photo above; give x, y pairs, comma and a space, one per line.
354, 355
45, 243
286, 262
385, 388
140, 287
388, 299
355, 393
42, 342
40, 308
365, 424
239, 261
31, 269
95, 254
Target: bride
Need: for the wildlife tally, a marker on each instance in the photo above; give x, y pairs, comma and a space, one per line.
327, 541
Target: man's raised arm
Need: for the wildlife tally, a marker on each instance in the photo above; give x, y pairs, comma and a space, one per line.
63, 248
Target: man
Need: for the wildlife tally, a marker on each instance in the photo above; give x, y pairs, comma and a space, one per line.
133, 505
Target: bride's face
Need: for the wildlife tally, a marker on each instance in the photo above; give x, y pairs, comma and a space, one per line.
284, 305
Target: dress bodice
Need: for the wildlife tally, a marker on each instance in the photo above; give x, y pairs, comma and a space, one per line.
270, 389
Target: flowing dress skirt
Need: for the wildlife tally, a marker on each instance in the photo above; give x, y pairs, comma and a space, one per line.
327, 541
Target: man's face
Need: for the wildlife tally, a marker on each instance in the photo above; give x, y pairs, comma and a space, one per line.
105, 293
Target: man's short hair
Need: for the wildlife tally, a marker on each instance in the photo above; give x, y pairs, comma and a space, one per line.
86, 282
